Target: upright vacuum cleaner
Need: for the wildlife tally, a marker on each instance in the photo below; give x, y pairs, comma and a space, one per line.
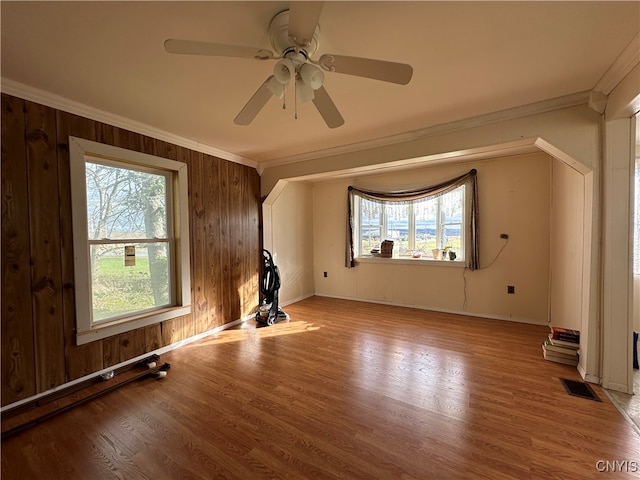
269, 312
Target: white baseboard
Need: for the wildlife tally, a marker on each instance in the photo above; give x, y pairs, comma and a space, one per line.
439, 310
587, 377
295, 300
159, 351
592, 379
618, 387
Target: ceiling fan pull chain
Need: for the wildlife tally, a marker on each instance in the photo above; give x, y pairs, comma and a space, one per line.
284, 97
295, 99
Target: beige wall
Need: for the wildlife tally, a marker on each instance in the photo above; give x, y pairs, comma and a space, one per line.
566, 240
288, 235
574, 130
513, 199
570, 264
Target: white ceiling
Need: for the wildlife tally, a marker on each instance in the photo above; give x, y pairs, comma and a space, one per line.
469, 59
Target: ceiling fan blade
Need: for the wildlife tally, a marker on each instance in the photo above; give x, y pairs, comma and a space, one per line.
303, 19
255, 104
327, 108
400, 73
190, 47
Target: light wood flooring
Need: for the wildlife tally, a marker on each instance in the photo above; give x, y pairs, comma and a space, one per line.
343, 390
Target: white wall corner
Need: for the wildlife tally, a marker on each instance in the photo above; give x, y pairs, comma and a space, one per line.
588, 377
597, 101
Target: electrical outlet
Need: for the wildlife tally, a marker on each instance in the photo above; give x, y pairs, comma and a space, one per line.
325, 274
511, 289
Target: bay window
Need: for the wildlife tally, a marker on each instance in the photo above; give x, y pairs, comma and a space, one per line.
437, 222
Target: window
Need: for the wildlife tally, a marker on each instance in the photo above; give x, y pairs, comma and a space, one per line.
423, 227
130, 231
450, 207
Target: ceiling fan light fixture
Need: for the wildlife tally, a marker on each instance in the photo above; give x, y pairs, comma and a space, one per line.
294, 39
276, 87
312, 76
304, 92
284, 70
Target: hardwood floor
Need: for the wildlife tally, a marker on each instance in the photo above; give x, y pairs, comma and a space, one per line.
343, 390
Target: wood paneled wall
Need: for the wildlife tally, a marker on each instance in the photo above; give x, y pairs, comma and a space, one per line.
39, 351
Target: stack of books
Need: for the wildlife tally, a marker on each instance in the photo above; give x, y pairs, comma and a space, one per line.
562, 346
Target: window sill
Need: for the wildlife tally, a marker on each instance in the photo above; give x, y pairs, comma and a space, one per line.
108, 329
411, 261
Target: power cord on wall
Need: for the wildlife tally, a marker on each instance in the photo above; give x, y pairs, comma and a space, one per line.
506, 240
505, 237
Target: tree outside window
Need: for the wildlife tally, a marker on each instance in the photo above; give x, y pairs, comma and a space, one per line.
125, 205
130, 239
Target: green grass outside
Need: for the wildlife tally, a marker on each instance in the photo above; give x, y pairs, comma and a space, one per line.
118, 289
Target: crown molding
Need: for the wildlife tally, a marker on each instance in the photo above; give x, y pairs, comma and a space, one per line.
43, 97
516, 147
558, 103
627, 60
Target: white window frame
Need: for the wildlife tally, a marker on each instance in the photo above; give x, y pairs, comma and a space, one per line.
412, 228
82, 151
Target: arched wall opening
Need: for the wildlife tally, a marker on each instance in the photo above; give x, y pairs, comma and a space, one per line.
539, 194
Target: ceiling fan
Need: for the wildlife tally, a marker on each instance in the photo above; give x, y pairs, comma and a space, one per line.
294, 36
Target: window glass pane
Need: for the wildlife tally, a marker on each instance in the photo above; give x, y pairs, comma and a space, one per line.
452, 207
124, 203
126, 280
370, 225
370, 238
370, 212
451, 235
426, 212
398, 228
